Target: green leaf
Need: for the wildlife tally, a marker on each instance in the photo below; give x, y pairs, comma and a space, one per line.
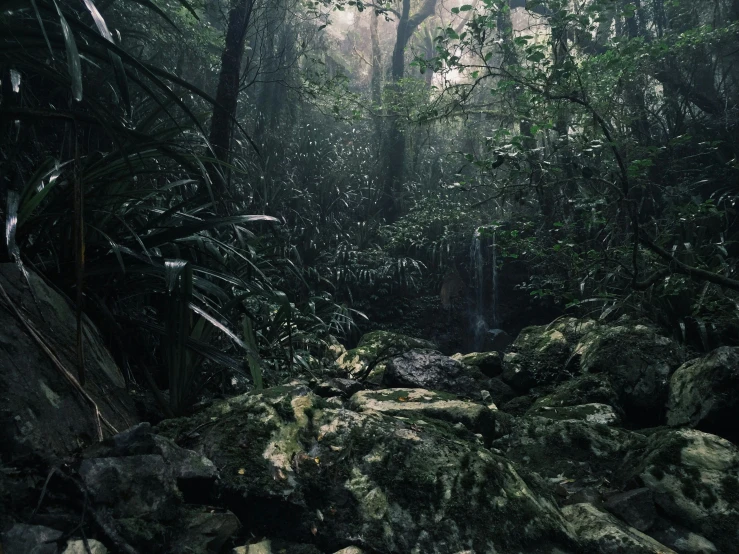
74, 65
536, 57
191, 228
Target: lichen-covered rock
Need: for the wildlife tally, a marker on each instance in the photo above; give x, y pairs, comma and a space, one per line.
704, 393
375, 349
680, 539
695, 480
489, 363
276, 546
591, 413
602, 533
421, 403
78, 546
638, 361
426, 369
583, 389
539, 354
338, 387
572, 450
390, 484
350, 550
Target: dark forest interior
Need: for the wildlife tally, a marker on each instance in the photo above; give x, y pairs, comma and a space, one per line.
341, 277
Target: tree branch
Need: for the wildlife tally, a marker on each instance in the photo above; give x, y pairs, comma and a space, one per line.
679, 267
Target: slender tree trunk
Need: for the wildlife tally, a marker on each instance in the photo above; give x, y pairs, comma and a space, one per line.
227, 93
376, 82
395, 144
640, 127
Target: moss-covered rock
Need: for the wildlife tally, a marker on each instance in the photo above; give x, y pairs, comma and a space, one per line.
539, 354
591, 413
391, 484
583, 389
604, 534
695, 480
570, 449
518, 406
638, 361
489, 363
428, 369
374, 350
419, 404
704, 393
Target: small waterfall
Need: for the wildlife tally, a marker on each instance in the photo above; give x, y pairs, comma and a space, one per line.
477, 265
485, 316
494, 302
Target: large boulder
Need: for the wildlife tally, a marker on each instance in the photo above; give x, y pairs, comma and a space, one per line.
583, 389
695, 480
142, 480
540, 354
367, 361
572, 454
636, 507
704, 393
294, 468
427, 369
489, 363
42, 412
638, 362
602, 533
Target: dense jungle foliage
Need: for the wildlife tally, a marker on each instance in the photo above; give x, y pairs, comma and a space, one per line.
227, 186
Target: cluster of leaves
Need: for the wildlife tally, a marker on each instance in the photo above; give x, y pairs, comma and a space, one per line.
622, 155
109, 194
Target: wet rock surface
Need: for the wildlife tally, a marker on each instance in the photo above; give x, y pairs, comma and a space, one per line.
704, 393
415, 457
430, 370
638, 362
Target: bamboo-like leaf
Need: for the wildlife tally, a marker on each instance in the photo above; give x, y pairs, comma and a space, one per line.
43, 27
173, 234
74, 64
11, 224
156, 9
115, 59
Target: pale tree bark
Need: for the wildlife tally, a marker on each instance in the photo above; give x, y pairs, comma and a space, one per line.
395, 144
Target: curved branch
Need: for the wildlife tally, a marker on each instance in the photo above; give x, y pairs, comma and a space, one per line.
679, 267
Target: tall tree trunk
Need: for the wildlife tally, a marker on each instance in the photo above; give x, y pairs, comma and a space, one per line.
376, 83
640, 127
227, 93
395, 144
